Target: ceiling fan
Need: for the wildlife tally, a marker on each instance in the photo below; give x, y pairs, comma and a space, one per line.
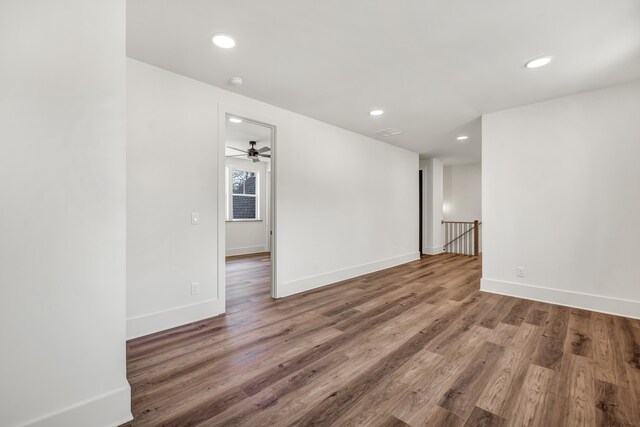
252, 153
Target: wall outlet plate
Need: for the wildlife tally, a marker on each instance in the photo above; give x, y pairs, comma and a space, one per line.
195, 288
520, 271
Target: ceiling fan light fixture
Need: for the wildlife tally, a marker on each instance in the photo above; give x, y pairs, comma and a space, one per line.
252, 153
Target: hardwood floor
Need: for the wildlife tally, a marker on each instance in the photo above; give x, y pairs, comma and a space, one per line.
248, 279
413, 345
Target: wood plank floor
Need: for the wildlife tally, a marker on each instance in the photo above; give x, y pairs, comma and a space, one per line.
413, 345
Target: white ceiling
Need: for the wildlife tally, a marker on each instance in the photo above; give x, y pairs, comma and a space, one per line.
434, 66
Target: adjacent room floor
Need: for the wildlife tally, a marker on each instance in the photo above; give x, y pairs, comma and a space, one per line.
413, 345
248, 279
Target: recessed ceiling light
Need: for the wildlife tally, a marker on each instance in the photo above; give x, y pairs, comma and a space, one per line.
235, 120
462, 138
538, 62
376, 112
224, 41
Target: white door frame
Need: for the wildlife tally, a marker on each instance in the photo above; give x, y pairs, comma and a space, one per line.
225, 110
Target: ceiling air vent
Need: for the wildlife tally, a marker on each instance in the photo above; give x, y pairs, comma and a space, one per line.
389, 132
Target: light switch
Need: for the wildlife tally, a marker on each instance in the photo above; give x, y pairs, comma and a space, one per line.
195, 218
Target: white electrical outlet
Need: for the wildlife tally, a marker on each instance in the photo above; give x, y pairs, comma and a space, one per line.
520, 271
195, 288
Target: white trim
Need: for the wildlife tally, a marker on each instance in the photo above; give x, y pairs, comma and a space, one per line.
246, 250
312, 282
177, 316
600, 303
222, 202
432, 251
103, 410
273, 211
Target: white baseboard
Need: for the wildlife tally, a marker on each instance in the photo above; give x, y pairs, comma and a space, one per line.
246, 250
108, 410
166, 319
432, 251
602, 304
312, 282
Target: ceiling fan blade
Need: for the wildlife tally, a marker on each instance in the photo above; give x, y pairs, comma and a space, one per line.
238, 155
265, 155
237, 149
255, 159
264, 150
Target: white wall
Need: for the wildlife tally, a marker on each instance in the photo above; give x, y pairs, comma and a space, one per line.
432, 184
561, 198
349, 210
62, 222
172, 159
462, 192
245, 237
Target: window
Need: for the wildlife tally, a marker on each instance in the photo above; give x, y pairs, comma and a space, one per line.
244, 198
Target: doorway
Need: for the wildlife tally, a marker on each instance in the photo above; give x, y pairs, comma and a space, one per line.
249, 210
